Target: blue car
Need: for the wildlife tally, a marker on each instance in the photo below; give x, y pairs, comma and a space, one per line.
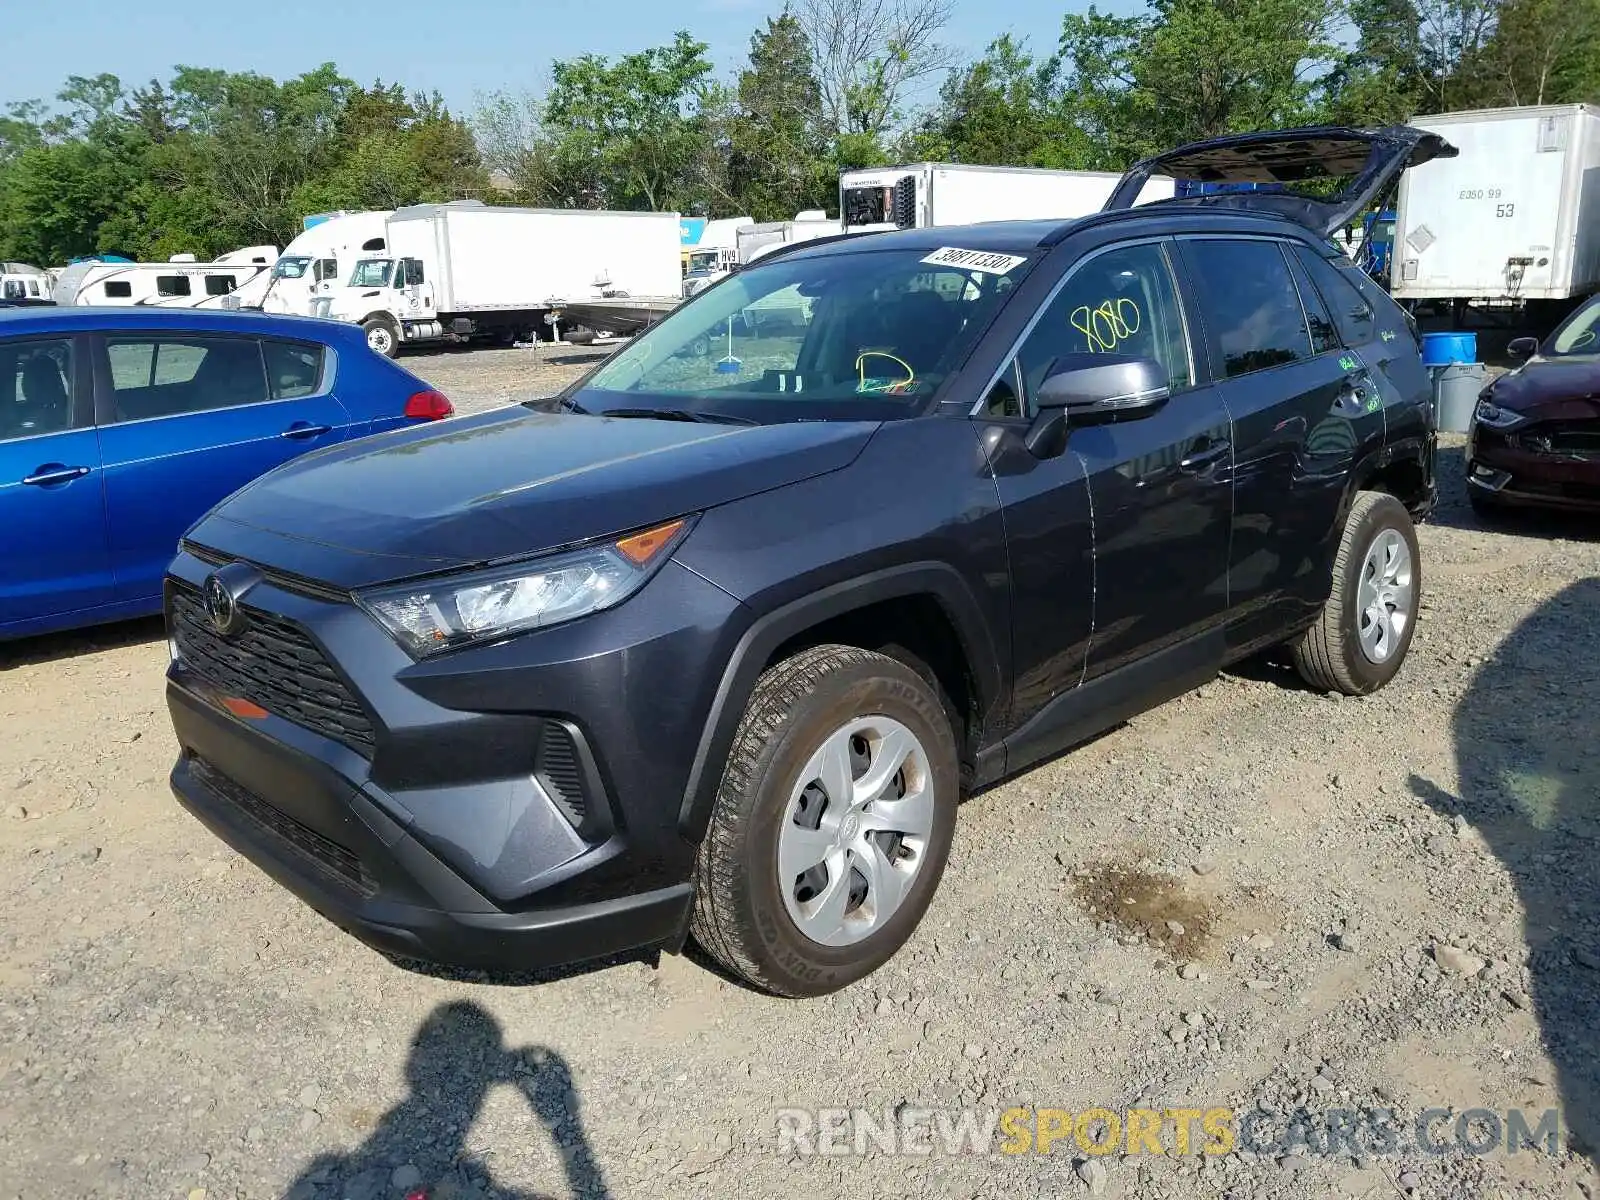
119, 428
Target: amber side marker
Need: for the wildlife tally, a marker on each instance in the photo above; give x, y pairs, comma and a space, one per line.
640, 548
243, 708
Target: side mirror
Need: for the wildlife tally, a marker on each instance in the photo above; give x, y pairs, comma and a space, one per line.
1094, 389
1522, 347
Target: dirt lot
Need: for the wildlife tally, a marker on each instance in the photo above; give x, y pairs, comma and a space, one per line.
1254, 897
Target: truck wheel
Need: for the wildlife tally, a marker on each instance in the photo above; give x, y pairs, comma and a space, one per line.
382, 336
1361, 638
832, 824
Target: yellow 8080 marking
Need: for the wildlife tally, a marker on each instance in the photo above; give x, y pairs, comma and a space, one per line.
1107, 325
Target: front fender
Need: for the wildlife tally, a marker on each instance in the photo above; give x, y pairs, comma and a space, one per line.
756, 644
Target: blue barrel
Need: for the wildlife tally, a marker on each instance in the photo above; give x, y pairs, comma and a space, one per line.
1443, 349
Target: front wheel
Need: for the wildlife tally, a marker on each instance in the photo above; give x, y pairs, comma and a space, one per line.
832, 824
1365, 629
382, 336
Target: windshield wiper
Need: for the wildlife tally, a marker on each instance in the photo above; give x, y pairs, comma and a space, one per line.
678, 414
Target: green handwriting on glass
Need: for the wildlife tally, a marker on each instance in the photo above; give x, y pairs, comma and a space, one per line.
1108, 324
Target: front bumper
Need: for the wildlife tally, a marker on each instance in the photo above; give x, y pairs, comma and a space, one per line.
1503, 470
435, 823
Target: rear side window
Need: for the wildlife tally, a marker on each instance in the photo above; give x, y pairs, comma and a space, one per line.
119, 289
1351, 312
1250, 302
219, 285
160, 376
294, 369
1324, 336
35, 388
172, 285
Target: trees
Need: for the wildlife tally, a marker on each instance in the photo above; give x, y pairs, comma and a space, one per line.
778, 139
868, 55
211, 160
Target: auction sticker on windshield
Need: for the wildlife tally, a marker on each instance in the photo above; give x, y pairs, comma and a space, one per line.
975, 260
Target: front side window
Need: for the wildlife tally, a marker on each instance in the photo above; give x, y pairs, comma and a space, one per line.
326, 268
372, 273
1251, 306
35, 388
1123, 301
851, 334
219, 285
160, 376
172, 285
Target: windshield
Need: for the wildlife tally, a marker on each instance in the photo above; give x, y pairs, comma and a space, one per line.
290, 268
1578, 335
854, 335
372, 272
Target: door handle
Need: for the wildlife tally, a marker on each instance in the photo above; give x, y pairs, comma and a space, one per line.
302, 432
1199, 460
50, 473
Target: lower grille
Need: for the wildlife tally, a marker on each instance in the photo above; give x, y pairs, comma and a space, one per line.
559, 774
1574, 441
326, 857
272, 663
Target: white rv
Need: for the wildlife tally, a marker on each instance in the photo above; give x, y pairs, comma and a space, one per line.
262, 255
180, 283
921, 195
23, 283
316, 262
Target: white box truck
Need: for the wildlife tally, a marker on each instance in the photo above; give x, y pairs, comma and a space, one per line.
758, 240
1515, 218
468, 270
936, 194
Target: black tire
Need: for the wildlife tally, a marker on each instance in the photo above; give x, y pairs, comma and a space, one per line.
739, 917
383, 335
1329, 654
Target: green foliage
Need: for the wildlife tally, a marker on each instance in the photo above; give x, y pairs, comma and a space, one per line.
212, 160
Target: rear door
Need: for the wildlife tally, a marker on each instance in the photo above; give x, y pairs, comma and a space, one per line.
56, 561
187, 419
1304, 411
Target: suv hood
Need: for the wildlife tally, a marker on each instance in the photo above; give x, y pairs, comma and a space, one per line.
503, 485
1375, 157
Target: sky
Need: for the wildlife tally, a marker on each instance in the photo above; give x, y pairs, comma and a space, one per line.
461, 49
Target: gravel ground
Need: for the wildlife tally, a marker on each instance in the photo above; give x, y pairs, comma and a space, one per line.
1254, 897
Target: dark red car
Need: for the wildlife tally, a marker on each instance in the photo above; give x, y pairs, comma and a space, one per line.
1535, 437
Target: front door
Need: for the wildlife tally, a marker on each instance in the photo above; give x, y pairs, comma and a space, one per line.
186, 420
1119, 547
51, 508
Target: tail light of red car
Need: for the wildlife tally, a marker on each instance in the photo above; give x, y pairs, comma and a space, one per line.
429, 406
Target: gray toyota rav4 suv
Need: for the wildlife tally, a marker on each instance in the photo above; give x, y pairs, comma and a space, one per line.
713, 643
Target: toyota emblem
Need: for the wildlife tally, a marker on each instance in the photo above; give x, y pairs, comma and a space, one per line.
220, 595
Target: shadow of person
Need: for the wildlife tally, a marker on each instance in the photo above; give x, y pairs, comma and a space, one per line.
1528, 762
419, 1145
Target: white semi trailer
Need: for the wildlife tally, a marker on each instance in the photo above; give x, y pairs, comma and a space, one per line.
467, 270
921, 195
1513, 219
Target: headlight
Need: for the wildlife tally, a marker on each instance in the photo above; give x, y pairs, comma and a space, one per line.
433, 615
1491, 414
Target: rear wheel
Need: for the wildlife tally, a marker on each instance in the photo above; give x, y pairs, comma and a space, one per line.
1361, 638
383, 337
832, 824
